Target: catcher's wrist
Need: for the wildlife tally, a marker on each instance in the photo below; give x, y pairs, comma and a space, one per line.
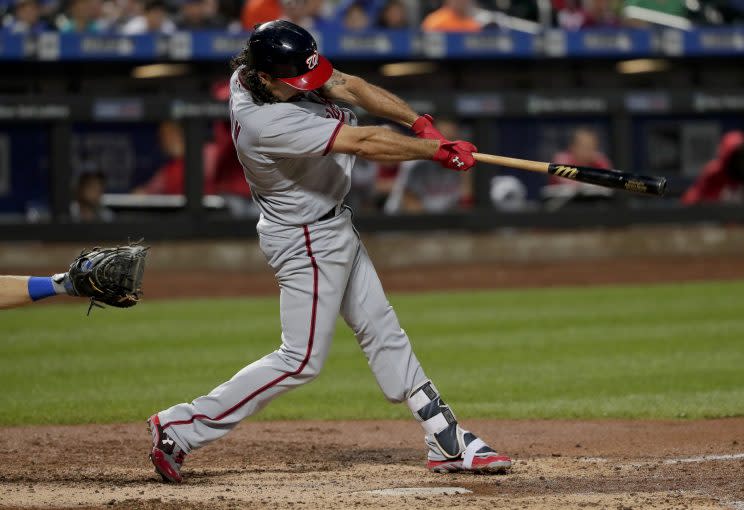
63, 284
40, 287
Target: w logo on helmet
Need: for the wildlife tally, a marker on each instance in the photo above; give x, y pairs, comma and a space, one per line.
312, 61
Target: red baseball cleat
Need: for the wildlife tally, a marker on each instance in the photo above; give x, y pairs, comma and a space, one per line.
490, 462
477, 456
166, 455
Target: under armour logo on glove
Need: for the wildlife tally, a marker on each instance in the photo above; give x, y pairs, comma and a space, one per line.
168, 442
456, 155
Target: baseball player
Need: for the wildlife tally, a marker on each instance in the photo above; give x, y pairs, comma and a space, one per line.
297, 147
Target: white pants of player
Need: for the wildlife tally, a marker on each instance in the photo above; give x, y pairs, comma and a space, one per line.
322, 269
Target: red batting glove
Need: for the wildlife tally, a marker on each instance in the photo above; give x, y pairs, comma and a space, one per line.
424, 128
456, 155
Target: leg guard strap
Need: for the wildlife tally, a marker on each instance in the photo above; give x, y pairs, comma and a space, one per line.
428, 407
470, 451
436, 417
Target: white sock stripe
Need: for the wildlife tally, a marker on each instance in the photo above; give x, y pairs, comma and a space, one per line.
435, 424
469, 454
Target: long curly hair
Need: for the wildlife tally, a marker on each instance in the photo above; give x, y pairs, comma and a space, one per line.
250, 78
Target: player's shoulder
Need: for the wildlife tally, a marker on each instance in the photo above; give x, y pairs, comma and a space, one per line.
283, 116
301, 107
283, 108
271, 111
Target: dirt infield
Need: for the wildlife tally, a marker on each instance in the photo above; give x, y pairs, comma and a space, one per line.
559, 464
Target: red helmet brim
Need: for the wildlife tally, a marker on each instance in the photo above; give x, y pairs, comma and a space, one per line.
313, 79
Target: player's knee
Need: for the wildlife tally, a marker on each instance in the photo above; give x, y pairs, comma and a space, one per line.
394, 395
396, 398
303, 365
312, 368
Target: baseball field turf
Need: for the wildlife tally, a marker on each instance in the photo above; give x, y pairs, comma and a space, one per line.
652, 351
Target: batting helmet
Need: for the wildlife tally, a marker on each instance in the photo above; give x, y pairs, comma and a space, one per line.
288, 52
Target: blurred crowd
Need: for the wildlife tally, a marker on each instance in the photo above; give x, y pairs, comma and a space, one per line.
166, 16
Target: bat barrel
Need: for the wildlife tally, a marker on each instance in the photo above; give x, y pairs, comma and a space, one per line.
611, 179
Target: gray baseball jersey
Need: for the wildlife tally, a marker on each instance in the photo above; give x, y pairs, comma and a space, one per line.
284, 149
321, 266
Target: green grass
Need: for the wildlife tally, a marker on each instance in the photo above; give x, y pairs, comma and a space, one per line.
661, 351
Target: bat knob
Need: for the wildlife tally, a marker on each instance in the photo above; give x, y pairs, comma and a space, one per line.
661, 186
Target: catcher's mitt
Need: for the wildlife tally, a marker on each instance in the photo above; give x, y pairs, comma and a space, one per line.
109, 275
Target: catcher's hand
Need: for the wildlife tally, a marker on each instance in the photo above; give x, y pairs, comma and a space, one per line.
109, 275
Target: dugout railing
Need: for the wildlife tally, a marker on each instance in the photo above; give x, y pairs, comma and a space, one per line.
485, 113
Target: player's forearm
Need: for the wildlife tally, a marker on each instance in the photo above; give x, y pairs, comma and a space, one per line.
377, 101
13, 291
383, 145
381, 103
22, 290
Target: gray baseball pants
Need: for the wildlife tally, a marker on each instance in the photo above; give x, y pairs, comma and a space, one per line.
322, 269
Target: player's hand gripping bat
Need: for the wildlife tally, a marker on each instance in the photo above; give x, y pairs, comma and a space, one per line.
607, 178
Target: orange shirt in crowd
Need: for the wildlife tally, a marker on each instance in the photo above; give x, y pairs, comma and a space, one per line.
260, 11
447, 20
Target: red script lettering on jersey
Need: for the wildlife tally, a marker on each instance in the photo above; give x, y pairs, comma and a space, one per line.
236, 132
334, 112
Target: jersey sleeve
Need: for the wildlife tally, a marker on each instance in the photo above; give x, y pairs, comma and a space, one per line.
294, 133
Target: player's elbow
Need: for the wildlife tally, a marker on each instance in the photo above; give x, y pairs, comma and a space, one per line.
354, 85
357, 141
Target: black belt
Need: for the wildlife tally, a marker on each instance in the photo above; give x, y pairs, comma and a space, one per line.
335, 211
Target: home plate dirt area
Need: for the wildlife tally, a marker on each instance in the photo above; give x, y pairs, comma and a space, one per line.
380, 464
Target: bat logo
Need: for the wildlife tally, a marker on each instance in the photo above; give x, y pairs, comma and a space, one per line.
569, 172
312, 61
636, 186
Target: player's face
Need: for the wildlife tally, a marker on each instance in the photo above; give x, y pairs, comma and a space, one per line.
281, 90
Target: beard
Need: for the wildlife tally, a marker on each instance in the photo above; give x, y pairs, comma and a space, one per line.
261, 93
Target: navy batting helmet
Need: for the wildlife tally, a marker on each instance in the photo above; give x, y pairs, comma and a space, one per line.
288, 52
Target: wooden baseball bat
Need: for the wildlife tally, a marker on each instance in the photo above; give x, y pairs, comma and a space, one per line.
607, 178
